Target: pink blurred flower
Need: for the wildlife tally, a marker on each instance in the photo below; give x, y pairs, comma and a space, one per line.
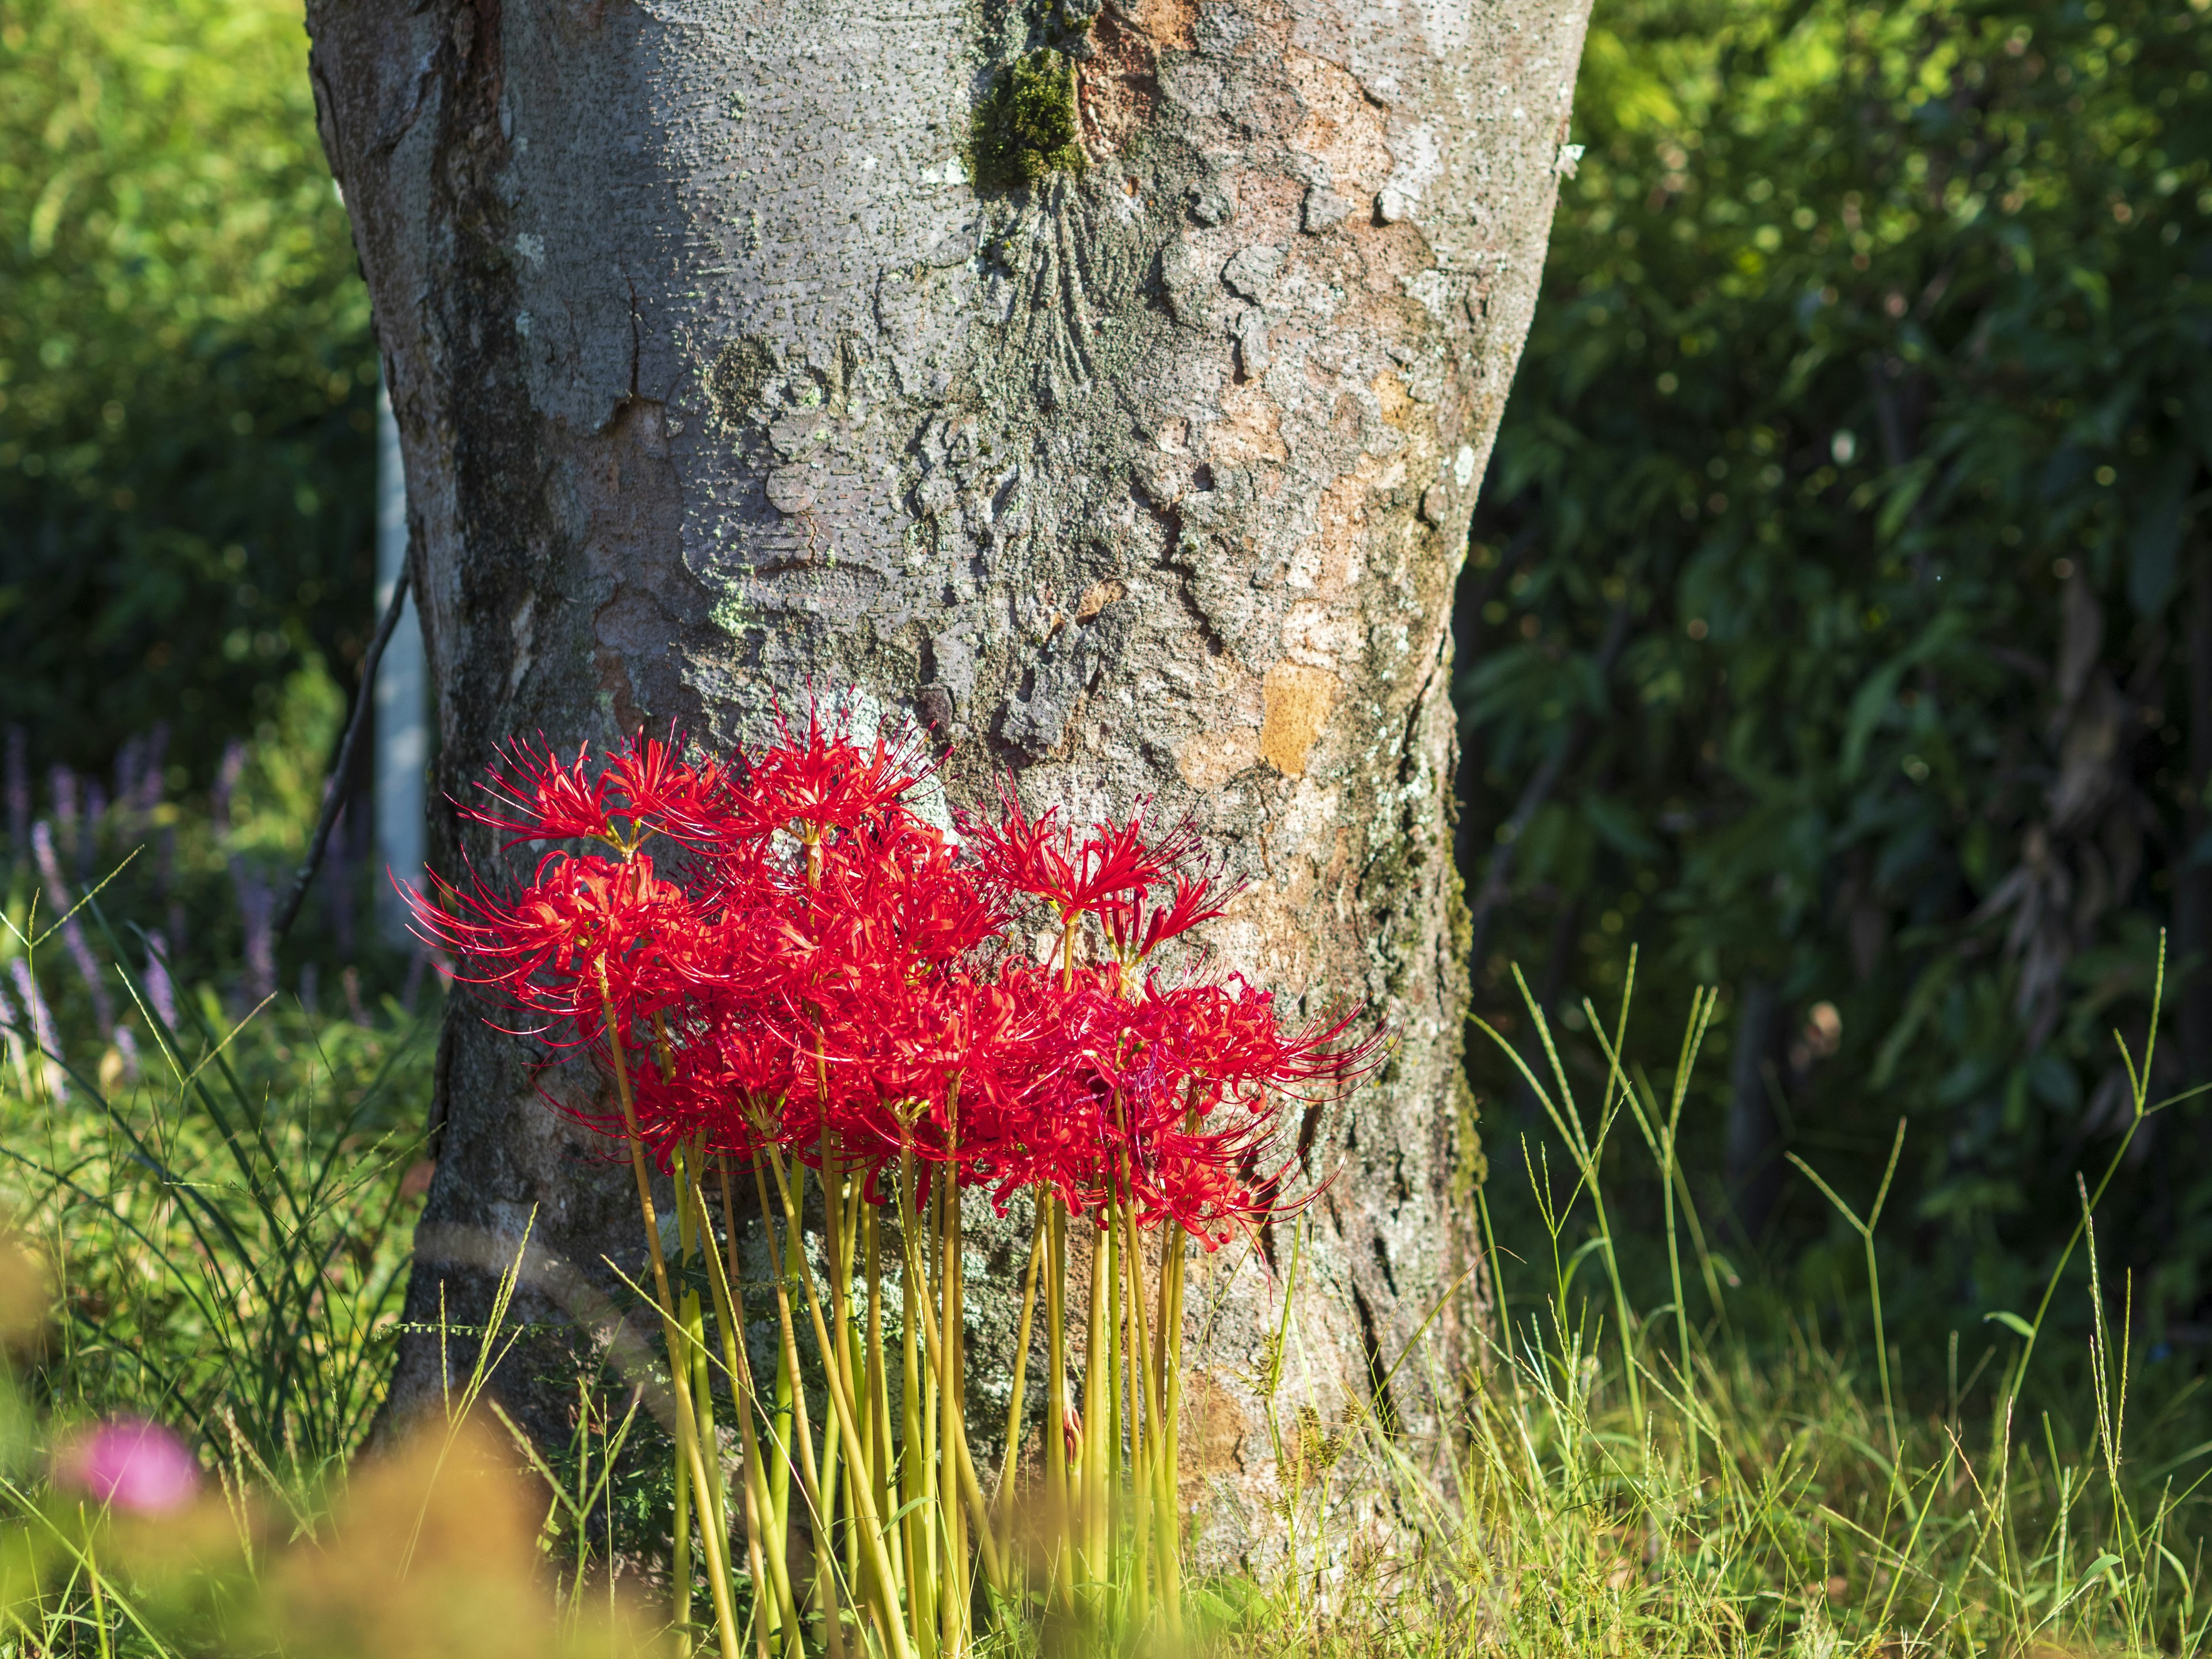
130, 1463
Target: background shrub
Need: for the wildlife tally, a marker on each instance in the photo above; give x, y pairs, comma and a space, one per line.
1839, 622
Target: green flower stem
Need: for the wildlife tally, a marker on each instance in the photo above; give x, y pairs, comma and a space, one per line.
847, 1424
920, 1561
765, 1547
837, 1358
679, 1565
787, 1364
961, 1471
881, 1470
762, 1617
1059, 1493
693, 1234
1145, 1425
718, 1577
809, 1476
1166, 1513
1003, 1499
849, 1341
1113, 1500
952, 1609
1090, 1551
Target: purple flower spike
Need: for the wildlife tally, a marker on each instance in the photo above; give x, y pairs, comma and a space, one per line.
132, 1464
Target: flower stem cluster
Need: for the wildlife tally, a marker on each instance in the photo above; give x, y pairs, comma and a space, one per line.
783, 972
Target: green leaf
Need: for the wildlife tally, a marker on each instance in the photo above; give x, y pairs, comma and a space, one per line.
1879, 693
1935, 981
1617, 827
2153, 568
2012, 1322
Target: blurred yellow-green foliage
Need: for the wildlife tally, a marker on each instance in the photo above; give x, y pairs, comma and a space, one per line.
187, 377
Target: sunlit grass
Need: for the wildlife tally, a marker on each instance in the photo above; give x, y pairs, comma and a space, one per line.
227, 1238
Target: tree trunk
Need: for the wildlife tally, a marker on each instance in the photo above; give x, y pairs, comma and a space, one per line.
1753, 1152
2192, 875
718, 379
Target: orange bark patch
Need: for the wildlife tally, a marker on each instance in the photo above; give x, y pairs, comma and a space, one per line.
1117, 87
1096, 598
1341, 127
1390, 391
1299, 699
1214, 1436
1331, 558
1168, 24
1250, 433
1212, 758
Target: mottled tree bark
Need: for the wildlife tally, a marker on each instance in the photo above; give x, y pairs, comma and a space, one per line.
717, 378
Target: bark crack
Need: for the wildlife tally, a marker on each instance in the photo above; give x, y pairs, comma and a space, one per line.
1378, 1376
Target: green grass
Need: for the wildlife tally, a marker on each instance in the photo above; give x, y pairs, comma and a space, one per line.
227, 1237
227, 1231
1571, 1526
1739, 1485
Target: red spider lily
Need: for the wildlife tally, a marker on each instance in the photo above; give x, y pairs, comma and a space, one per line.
914, 1067
737, 1084
1134, 1115
1138, 924
896, 893
1042, 856
809, 972
693, 802
646, 786
825, 781
1185, 1160
584, 930
1058, 1133
535, 797
1199, 1183
830, 976
949, 1069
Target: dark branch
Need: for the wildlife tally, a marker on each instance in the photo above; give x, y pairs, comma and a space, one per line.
335, 789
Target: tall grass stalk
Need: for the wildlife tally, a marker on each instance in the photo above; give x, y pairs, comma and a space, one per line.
1586, 1151
1865, 1230
1590, 1517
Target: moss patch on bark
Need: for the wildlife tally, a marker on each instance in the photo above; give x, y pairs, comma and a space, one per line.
1024, 130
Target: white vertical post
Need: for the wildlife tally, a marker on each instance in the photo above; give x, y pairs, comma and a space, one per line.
403, 734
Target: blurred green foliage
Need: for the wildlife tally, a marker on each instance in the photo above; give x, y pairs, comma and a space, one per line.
1838, 623
187, 377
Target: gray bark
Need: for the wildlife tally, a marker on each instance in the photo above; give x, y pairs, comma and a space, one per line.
402, 701
716, 378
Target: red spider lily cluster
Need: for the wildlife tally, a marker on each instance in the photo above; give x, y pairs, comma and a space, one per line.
776, 949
